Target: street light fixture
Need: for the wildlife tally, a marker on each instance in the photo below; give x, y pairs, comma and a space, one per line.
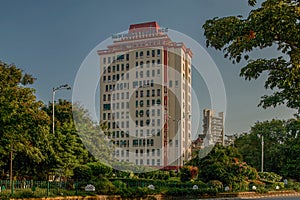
262, 153
61, 87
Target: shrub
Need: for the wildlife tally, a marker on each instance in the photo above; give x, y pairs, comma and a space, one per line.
119, 184
104, 186
82, 173
269, 176
215, 184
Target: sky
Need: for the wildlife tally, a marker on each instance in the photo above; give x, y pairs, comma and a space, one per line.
51, 39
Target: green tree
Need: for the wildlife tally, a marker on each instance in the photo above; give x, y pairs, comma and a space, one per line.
275, 23
69, 150
23, 125
224, 164
281, 146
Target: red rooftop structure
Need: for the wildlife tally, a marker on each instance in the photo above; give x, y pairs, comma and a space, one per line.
144, 27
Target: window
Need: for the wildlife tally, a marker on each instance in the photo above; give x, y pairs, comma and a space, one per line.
136, 54
153, 152
158, 152
158, 122
158, 72
148, 102
106, 106
141, 152
158, 52
141, 114
104, 60
153, 102
158, 162
141, 54
127, 57
141, 93
153, 53
153, 162
158, 132
153, 93
148, 53
104, 97
141, 64
158, 92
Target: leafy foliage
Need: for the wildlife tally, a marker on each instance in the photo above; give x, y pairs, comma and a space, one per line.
224, 164
269, 176
281, 144
275, 23
23, 125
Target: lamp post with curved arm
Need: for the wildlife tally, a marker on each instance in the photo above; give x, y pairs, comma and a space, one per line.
61, 87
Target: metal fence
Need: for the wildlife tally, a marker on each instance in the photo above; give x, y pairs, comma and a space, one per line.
45, 187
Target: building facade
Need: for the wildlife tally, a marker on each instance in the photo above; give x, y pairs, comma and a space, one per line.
145, 96
213, 127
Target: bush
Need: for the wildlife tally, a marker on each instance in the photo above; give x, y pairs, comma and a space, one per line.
269, 176
258, 184
82, 173
104, 186
294, 186
119, 184
215, 184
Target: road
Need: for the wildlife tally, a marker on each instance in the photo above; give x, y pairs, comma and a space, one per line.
276, 198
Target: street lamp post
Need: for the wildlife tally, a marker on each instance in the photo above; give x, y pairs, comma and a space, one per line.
178, 143
262, 153
61, 87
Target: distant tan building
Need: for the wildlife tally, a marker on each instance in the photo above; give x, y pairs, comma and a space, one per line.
213, 127
143, 101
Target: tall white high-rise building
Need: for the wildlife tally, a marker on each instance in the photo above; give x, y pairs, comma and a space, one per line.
145, 96
213, 127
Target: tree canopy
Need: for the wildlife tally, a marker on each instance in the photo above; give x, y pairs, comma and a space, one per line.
281, 144
275, 23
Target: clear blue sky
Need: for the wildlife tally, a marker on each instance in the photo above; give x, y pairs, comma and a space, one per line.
50, 39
